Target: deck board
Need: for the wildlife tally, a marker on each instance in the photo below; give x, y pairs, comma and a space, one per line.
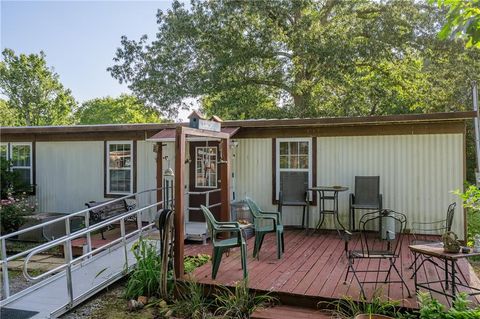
315, 266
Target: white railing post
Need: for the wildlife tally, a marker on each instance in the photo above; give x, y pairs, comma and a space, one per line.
89, 236
124, 242
6, 284
67, 251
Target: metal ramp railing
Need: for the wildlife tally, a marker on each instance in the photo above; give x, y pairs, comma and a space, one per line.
57, 290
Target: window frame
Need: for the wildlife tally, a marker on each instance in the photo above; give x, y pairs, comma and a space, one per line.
311, 164
216, 170
133, 166
31, 167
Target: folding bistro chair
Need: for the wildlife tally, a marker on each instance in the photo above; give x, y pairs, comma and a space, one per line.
388, 247
438, 227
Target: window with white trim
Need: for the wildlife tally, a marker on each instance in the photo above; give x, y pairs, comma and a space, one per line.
293, 168
20, 156
119, 167
206, 167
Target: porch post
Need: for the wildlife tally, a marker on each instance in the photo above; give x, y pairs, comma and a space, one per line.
160, 189
179, 200
225, 173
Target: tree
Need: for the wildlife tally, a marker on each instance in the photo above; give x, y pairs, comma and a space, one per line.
8, 118
463, 20
34, 91
108, 110
312, 58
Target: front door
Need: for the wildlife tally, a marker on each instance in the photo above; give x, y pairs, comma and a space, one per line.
204, 176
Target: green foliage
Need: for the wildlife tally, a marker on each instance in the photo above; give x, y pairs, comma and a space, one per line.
34, 92
108, 110
190, 302
8, 117
11, 182
145, 278
349, 308
190, 263
431, 308
285, 58
471, 201
241, 303
11, 217
463, 20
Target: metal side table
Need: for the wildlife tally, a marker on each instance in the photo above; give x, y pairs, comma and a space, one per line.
328, 193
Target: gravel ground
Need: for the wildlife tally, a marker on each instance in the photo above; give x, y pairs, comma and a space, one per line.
17, 282
93, 308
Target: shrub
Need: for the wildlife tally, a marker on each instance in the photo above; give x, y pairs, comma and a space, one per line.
13, 212
431, 308
145, 278
190, 263
241, 303
11, 217
191, 302
349, 308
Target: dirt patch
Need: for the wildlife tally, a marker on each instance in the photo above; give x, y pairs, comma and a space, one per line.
109, 304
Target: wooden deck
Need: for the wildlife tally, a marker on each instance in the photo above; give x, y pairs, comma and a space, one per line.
313, 268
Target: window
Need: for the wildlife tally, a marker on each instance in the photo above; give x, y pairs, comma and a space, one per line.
119, 164
206, 167
20, 155
293, 160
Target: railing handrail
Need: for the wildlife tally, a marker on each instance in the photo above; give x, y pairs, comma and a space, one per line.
204, 192
75, 235
70, 215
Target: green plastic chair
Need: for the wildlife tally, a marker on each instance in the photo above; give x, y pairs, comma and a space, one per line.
266, 222
222, 245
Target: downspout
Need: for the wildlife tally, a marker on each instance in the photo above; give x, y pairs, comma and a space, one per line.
477, 129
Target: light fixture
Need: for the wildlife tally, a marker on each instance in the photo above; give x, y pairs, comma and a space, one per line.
169, 171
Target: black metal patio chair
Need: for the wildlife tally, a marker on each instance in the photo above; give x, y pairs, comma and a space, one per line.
388, 247
366, 197
438, 227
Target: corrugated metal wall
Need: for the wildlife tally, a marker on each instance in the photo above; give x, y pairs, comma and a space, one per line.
417, 173
68, 175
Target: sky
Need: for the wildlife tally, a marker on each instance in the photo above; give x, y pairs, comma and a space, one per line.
79, 38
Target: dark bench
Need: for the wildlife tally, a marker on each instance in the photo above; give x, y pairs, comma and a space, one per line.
99, 214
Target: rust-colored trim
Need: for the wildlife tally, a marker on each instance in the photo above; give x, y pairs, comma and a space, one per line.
274, 171
159, 162
363, 130
105, 171
465, 224
179, 201
225, 173
34, 168
263, 123
314, 169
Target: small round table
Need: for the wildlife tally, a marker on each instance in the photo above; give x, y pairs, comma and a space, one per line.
328, 193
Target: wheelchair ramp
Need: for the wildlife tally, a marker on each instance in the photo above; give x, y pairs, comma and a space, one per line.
58, 290
50, 298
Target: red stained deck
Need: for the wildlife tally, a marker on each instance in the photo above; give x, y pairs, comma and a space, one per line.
313, 267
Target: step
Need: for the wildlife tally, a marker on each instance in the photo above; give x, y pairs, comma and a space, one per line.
288, 312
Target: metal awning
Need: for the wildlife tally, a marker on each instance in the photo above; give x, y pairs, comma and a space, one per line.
168, 135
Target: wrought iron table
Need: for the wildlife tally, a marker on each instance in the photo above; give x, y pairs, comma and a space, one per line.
436, 250
328, 193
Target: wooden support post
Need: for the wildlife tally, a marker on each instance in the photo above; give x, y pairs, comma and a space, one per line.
225, 172
179, 200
